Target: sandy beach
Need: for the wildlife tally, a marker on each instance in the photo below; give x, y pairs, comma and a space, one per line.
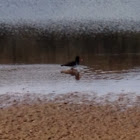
97, 100
64, 120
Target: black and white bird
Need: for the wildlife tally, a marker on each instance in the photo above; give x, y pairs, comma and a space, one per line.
73, 63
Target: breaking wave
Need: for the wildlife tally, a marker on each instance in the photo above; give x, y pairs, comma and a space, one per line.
67, 16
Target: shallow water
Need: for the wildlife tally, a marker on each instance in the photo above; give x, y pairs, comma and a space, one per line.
46, 79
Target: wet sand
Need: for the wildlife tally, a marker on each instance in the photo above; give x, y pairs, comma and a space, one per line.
53, 120
42, 78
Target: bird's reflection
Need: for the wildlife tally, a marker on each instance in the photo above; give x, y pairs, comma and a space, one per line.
73, 72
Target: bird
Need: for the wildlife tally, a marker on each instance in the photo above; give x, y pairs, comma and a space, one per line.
73, 63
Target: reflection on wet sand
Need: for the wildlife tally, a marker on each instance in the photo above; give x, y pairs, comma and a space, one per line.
72, 72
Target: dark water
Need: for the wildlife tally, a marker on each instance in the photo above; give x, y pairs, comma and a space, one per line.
115, 51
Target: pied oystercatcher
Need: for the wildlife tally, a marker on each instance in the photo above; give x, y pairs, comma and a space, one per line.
73, 63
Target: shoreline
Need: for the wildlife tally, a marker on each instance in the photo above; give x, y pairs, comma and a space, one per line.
123, 100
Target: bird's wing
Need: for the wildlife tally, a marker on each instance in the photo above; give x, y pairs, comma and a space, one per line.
69, 64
